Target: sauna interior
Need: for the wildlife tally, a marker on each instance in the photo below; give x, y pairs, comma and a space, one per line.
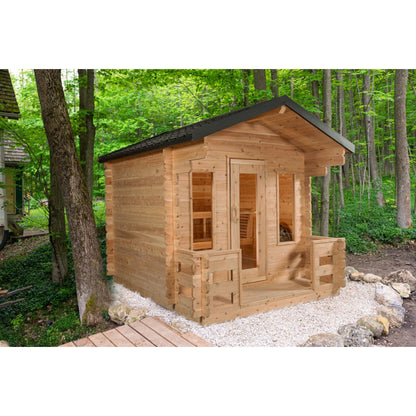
213, 220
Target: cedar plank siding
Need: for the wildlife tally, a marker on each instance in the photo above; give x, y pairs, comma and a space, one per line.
136, 224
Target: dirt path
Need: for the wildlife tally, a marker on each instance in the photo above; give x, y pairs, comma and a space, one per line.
386, 261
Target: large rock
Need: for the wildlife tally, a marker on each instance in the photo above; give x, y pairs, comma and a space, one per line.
135, 314
403, 289
4, 344
324, 340
401, 276
395, 314
356, 336
349, 270
387, 296
385, 322
356, 276
373, 324
118, 312
371, 278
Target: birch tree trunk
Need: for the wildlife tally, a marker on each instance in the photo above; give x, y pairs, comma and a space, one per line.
327, 107
404, 217
92, 290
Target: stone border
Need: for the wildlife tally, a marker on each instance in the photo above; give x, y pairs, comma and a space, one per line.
389, 293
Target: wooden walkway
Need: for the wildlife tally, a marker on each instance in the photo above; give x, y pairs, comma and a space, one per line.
149, 332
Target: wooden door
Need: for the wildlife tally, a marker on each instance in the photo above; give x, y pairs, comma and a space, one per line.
247, 216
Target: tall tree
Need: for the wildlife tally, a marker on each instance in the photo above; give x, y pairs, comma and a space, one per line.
327, 118
87, 128
92, 290
316, 181
369, 134
246, 86
260, 84
57, 228
274, 86
404, 217
339, 75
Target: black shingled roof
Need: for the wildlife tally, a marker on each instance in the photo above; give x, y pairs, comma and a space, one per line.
8, 104
203, 128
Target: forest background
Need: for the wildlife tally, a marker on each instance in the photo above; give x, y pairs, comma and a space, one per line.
216, 35
132, 105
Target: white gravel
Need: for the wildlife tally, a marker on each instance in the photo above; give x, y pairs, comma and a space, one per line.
285, 327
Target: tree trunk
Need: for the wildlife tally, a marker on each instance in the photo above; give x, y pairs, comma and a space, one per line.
57, 229
260, 84
371, 147
316, 181
315, 93
342, 127
92, 290
87, 128
326, 94
246, 86
274, 86
404, 217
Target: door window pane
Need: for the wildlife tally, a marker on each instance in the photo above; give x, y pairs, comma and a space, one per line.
248, 204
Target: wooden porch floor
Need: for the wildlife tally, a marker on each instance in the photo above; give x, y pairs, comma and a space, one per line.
149, 332
274, 290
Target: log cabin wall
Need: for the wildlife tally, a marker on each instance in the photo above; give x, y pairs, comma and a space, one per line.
136, 224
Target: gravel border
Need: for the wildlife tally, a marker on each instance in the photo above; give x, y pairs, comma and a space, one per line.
285, 327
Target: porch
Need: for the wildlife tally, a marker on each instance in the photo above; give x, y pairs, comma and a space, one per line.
209, 282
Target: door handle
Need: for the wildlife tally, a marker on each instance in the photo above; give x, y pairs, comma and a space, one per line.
235, 214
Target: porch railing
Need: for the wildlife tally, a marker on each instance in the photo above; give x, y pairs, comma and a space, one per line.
327, 261
207, 280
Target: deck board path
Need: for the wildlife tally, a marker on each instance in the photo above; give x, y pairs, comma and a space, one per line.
149, 332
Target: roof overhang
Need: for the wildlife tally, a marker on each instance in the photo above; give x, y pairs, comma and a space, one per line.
273, 114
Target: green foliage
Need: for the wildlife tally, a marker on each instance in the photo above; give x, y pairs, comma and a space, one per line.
366, 226
49, 314
36, 220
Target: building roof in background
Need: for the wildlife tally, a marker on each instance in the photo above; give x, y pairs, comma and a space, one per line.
206, 127
14, 154
8, 103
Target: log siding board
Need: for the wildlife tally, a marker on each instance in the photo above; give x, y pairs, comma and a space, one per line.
137, 226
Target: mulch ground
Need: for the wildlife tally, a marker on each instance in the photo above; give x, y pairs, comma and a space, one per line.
21, 247
382, 263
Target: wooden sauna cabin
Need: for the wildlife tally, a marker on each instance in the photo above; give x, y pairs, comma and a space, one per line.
213, 219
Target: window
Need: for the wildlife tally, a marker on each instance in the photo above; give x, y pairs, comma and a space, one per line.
202, 210
286, 208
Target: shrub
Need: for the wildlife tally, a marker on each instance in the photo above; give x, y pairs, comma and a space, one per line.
367, 226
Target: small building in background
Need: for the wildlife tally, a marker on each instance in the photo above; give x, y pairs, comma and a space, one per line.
15, 158
12, 160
